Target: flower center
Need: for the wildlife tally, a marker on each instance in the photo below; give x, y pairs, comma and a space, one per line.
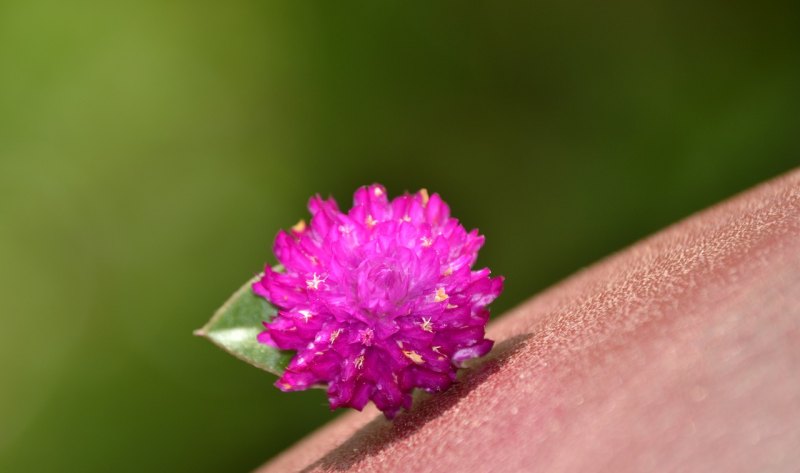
382, 284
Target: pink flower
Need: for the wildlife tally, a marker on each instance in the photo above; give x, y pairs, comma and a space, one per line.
378, 301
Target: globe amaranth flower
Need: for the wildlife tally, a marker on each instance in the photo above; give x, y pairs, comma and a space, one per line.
379, 300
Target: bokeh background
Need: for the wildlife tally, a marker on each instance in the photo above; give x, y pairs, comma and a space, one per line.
150, 150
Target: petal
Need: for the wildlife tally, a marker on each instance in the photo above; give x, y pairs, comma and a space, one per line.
361, 394
436, 211
374, 202
282, 289
265, 338
324, 215
291, 254
475, 351
295, 381
428, 380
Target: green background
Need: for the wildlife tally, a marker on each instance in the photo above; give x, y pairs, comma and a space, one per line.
150, 150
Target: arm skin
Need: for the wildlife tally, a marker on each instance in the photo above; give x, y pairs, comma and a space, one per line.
681, 353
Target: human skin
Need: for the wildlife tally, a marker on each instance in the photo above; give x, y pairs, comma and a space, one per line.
680, 353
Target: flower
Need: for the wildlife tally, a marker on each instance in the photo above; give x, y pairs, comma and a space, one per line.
379, 300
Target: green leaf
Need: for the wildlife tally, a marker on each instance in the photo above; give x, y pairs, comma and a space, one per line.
235, 328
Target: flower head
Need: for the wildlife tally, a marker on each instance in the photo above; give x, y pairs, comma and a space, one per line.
379, 300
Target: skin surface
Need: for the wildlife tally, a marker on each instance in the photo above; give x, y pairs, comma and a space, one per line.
681, 353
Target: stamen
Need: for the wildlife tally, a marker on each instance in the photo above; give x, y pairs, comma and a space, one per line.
365, 336
426, 325
299, 227
313, 283
306, 314
414, 356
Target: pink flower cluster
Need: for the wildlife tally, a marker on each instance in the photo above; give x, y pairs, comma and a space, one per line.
379, 300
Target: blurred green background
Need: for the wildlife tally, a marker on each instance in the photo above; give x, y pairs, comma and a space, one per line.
150, 150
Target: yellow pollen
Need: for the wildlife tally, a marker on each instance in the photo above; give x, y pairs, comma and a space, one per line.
426, 325
447, 272
414, 356
359, 361
299, 227
426, 242
335, 335
370, 222
440, 295
424, 194
451, 306
378, 192
436, 349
